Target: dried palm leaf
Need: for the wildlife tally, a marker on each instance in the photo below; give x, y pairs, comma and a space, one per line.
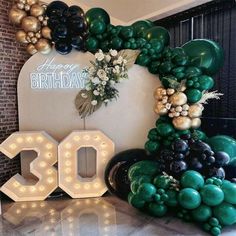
83, 103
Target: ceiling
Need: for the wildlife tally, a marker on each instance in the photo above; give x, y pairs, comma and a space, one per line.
127, 11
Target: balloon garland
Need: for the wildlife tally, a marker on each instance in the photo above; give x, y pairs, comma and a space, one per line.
185, 171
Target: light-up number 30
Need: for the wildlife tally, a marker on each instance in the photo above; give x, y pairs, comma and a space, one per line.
47, 149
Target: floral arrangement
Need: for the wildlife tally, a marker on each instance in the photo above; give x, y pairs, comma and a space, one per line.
106, 71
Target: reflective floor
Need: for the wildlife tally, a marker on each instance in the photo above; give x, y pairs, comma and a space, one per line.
98, 216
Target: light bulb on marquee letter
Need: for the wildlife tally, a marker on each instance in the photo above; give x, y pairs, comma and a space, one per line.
46, 147
69, 181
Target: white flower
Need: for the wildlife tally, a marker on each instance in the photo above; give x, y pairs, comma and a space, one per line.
112, 82
91, 70
104, 82
95, 80
117, 68
101, 73
125, 61
107, 58
120, 60
88, 87
95, 92
106, 78
113, 53
94, 102
106, 100
99, 55
115, 62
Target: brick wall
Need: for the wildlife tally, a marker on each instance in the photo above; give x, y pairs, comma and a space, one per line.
12, 58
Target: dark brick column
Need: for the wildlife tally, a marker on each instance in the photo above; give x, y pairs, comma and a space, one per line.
12, 58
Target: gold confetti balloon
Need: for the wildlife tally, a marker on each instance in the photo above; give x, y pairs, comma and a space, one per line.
31, 24
31, 49
37, 10
181, 122
21, 36
160, 109
16, 16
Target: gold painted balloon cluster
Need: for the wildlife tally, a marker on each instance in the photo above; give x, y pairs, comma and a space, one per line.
29, 15
174, 104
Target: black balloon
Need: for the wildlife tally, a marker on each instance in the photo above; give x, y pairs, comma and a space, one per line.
77, 42
63, 47
53, 22
116, 173
56, 8
77, 24
61, 31
75, 11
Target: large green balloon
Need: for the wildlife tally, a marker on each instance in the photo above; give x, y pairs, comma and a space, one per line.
97, 14
141, 26
205, 54
223, 143
225, 213
158, 32
189, 198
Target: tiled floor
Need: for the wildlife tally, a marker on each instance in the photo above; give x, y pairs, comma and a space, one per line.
98, 216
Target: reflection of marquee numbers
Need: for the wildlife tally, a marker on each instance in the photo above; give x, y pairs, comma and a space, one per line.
105, 213
45, 213
42, 167
69, 181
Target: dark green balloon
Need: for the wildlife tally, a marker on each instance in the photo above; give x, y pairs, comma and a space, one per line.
223, 143
229, 190
206, 82
202, 213
91, 44
154, 67
141, 26
172, 200
143, 60
135, 200
105, 45
116, 43
158, 32
141, 168
165, 129
97, 14
205, 54
156, 209
152, 146
192, 179
189, 198
212, 195
127, 32
225, 213
97, 27
193, 95
146, 191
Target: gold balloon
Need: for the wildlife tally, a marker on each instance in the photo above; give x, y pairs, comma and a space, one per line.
160, 109
32, 2
178, 99
46, 32
181, 122
31, 49
196, 123
37, 10
21, 36
43, 46
16, 16
31, 23
195, 110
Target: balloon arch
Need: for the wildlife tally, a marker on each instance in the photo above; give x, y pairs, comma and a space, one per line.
182, 168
